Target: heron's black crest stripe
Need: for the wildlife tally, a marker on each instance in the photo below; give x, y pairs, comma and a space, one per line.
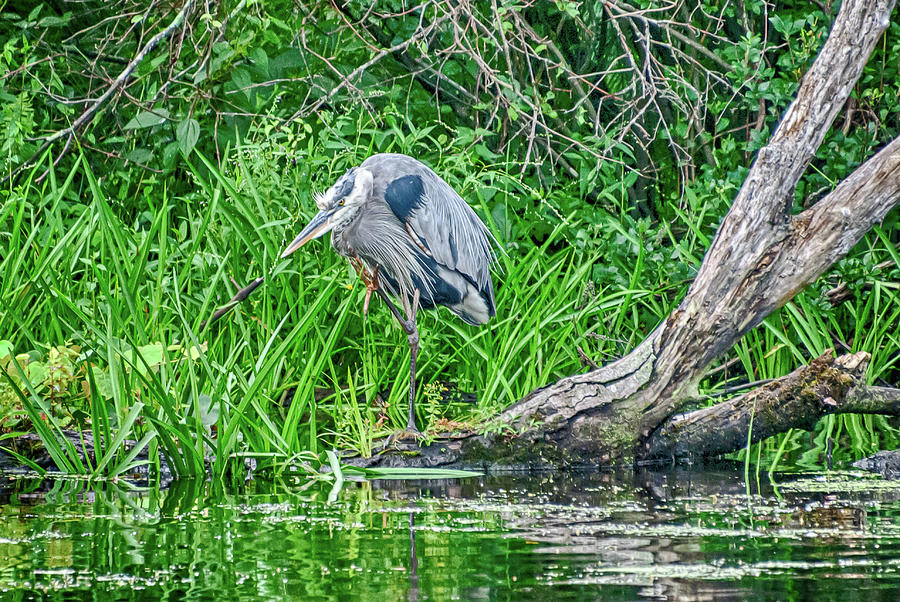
405, 195
345, 184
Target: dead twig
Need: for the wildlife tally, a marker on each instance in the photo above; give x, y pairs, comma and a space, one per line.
240, 296
88, 115
585, 360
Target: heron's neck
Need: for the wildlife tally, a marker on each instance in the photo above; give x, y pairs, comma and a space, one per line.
342, 233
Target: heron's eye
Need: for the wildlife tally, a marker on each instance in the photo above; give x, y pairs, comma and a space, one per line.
341, 202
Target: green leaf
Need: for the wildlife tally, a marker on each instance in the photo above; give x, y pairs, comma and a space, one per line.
6, 348
242, 82
152, 353
124, 430
208, 410
146, 119
187, 133
411, 473
53, 21
139, 155
37, 373
103, 382
335, 465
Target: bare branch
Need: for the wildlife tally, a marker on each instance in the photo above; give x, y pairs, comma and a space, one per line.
238, 297
353, 75
88, 115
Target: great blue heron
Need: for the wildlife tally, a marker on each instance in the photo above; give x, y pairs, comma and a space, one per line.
406, 231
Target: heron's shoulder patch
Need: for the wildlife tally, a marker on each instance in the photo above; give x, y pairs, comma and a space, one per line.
404, 195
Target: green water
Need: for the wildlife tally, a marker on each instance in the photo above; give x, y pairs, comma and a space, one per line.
674, 534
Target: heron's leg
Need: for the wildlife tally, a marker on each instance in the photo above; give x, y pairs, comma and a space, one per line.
413, 337
399, 316
412, 334
370, 279
356, 262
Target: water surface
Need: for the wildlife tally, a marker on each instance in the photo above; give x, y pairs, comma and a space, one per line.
673, 534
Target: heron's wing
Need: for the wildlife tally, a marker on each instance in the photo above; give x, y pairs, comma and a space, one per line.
442, 224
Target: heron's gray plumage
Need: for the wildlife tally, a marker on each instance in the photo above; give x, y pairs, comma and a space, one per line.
379, 239
408, 232
344, 185
421, 234
449, 228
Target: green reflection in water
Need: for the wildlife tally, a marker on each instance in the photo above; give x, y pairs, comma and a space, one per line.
672, 534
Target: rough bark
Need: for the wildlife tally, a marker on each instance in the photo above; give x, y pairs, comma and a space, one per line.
886, 463
827, 385
761, 257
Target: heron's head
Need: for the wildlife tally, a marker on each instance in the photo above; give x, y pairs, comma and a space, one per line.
338, 206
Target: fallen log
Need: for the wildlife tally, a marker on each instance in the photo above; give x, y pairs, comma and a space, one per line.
763, 254
827, 385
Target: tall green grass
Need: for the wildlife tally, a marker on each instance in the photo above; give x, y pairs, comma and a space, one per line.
132, 295
296, 369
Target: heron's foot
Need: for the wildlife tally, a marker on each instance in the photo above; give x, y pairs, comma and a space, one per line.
366, 303
371, 282
410, 432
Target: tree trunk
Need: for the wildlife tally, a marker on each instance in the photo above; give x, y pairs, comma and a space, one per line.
762, 255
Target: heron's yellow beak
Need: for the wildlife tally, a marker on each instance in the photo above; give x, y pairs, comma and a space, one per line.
320, 224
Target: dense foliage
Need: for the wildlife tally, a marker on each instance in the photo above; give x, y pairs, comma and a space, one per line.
601, 141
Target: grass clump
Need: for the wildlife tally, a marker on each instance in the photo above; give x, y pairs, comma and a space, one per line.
103, 298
